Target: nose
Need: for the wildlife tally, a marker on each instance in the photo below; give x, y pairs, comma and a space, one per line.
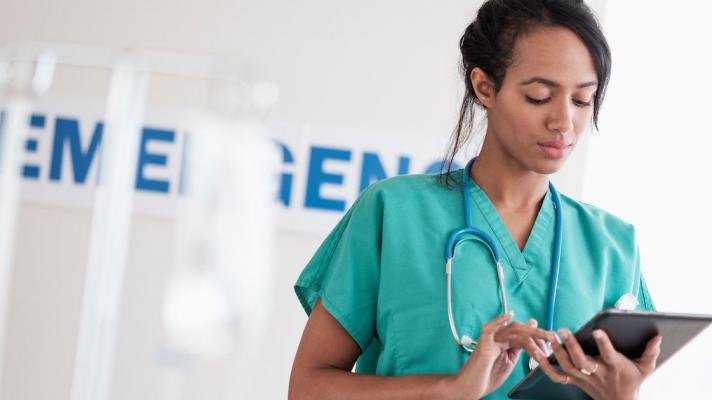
561, 117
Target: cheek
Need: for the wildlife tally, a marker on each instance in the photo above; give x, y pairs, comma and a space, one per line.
517, 118
525, 123
582, 122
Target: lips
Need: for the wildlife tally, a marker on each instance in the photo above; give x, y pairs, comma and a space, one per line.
557, 144
555, 149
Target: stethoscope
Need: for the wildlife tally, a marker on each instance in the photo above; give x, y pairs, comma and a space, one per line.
469, 232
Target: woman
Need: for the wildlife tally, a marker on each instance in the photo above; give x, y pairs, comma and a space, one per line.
376, 288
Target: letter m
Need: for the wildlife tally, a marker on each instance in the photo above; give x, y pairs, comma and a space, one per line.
66, 134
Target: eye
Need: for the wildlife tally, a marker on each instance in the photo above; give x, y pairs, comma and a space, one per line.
580, 103
537, 101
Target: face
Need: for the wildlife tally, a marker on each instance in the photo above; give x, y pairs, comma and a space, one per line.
545, 102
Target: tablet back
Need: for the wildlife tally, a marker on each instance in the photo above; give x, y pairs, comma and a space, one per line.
629, 332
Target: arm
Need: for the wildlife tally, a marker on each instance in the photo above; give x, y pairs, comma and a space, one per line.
327, 353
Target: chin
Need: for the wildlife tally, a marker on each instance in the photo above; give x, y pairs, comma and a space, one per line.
548, 166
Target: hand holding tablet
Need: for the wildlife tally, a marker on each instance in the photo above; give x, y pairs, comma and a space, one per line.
629, 333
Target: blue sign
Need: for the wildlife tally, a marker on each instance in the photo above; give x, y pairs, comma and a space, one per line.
74, 150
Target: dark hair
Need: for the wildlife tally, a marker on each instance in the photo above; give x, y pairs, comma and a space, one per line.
488, 43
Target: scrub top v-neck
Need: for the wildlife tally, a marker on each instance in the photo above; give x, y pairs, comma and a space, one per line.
534, 251
380, 273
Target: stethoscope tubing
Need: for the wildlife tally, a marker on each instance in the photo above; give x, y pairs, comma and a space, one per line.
469, 232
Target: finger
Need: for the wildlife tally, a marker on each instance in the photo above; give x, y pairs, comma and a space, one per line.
538, 340
518, 335
578, 357
550, 371
513, 355
533, 349
652, 349
564, 359
523, 332
543, 345
609, 355
646, 362
494, 325
540, 334
528, 329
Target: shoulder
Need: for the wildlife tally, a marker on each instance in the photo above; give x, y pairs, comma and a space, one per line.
408, 188
588, 212
597, 222
406, 182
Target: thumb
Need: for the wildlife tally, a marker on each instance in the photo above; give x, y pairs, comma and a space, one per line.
646, 362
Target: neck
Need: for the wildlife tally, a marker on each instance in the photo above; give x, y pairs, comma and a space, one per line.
506, 182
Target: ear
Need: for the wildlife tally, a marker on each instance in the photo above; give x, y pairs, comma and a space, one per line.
483, 85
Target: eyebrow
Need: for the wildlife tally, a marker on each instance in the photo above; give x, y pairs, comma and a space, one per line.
552, 84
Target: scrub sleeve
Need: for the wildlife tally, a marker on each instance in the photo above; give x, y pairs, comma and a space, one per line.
345, 271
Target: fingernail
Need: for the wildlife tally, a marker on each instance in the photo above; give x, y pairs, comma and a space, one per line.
598, 334
511, 313
563, 334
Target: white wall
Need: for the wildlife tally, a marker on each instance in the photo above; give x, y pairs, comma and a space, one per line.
650, 165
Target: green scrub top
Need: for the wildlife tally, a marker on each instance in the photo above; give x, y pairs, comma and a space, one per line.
381, 273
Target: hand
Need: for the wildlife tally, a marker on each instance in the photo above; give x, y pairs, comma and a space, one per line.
608, 376
543, 345
496, 354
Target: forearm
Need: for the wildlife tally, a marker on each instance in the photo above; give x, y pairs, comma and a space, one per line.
332, 383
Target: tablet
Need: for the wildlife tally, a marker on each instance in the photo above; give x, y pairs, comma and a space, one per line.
629, 332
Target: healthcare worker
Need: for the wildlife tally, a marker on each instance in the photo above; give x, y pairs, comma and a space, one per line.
377, 292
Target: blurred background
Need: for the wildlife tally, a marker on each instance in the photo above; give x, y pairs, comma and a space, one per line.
180, 162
